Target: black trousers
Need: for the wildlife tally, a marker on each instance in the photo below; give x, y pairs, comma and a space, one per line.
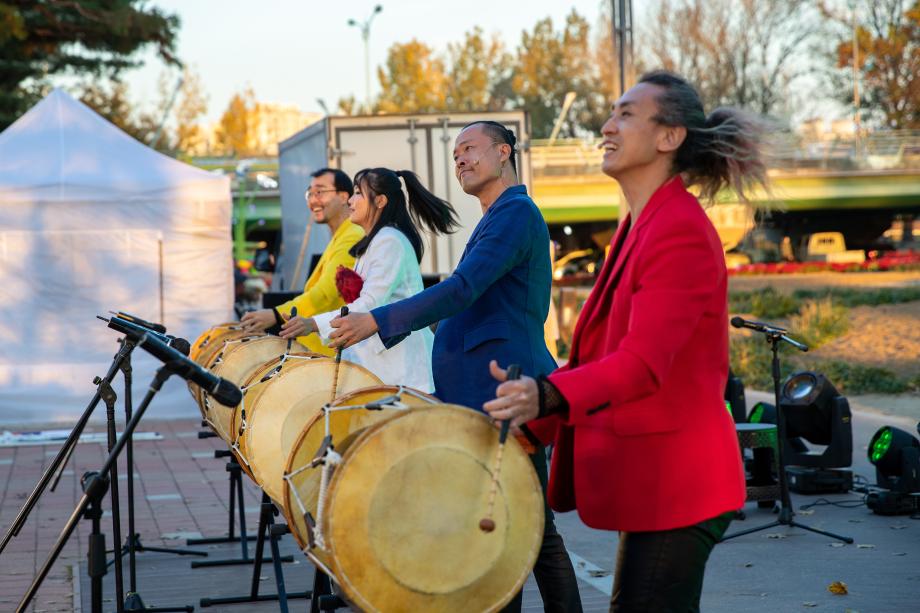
553, 570
662, 572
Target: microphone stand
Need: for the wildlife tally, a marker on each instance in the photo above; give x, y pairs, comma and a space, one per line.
786, 517
133, 544
95, 485
60, 460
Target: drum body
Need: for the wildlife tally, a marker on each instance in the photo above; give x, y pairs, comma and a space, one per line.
239, 360
284, 405
206, 348
401, 512
349, 414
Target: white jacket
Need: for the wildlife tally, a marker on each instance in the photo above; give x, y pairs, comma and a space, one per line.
390, 273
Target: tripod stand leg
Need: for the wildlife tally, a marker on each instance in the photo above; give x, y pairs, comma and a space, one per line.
845, 539
237, 508
266, 520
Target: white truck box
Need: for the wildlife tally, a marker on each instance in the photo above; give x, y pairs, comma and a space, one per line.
422, 143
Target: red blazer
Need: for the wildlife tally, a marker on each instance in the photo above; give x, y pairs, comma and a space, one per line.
647, 443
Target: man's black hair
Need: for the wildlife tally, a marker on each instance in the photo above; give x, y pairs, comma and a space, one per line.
499, 134
341, 180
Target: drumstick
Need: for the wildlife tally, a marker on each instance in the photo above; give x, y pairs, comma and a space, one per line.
338, 360
291, 340
487, 524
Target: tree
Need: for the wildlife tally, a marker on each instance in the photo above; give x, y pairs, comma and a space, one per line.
550, 64
39, 40
237, 131
745, 53
193, 103
111, 100
479, 77
413, 80
888, 42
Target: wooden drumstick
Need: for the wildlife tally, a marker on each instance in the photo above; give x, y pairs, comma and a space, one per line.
338, 360
487, 524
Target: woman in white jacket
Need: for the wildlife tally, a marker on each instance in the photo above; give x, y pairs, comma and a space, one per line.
388, 263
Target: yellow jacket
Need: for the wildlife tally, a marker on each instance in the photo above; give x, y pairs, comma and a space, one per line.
320, 294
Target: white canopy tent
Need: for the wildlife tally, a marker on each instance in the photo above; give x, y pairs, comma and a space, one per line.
92, 220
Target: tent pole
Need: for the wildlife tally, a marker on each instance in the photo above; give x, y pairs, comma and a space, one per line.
160, 273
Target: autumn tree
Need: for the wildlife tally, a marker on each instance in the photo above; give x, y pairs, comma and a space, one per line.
191, 106
551, 63
112, 100
479, 74
40, 40
412, 81
745, 53
888, 56
236, 133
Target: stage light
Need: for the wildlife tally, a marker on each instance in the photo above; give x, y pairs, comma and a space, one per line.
896, 456
807, 399
814, 410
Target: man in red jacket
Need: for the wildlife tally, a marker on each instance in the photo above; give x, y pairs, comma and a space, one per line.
643, 443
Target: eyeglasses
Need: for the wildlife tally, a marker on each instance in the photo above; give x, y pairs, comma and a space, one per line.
316, 193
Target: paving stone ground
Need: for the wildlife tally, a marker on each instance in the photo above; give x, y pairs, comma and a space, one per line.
181, 491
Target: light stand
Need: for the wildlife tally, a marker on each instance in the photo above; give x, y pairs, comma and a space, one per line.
786, 515
94, 488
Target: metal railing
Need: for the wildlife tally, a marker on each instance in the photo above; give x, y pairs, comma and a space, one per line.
888, 150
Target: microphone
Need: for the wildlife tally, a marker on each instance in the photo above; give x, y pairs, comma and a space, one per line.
758, 326
141, 322
738, 322
222, 390
123, 325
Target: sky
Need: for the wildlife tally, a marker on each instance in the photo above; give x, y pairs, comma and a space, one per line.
295, 51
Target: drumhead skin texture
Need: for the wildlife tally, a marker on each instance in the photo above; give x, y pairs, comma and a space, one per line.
342, 425
239, 360
403, 509
285, 405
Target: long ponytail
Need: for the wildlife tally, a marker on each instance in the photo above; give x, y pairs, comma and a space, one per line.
721, 150
423, 209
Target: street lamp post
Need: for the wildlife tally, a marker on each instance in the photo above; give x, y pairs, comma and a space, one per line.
365, 28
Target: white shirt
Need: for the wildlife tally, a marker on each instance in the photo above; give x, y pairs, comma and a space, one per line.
390, 273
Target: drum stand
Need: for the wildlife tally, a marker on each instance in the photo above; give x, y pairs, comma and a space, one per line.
322, 597
236, 492
133, 544
786, 514
95, 485
267, 526
237, 503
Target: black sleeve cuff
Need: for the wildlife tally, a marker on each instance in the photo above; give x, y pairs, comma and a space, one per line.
551, 399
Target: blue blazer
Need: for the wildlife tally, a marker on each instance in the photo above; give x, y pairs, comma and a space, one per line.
492, 307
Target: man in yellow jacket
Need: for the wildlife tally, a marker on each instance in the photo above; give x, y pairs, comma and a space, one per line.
327, 198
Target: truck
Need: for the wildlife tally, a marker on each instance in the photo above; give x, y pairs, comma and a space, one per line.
422, 143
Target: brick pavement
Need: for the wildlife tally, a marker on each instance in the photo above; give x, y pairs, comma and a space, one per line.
181, 490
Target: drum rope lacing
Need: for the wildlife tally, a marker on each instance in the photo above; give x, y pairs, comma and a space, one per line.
331, 458
244, 424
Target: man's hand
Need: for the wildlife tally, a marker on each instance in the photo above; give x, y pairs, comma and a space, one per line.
351, 329
258, 321
297, 326
516, 400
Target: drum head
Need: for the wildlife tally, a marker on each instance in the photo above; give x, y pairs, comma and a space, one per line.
285, 405
239, 360
341, 425
403, 510
206, 349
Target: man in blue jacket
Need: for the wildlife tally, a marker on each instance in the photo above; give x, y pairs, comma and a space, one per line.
493, 306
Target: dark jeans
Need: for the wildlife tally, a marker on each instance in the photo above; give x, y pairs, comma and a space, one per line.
553, 570
663, 571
